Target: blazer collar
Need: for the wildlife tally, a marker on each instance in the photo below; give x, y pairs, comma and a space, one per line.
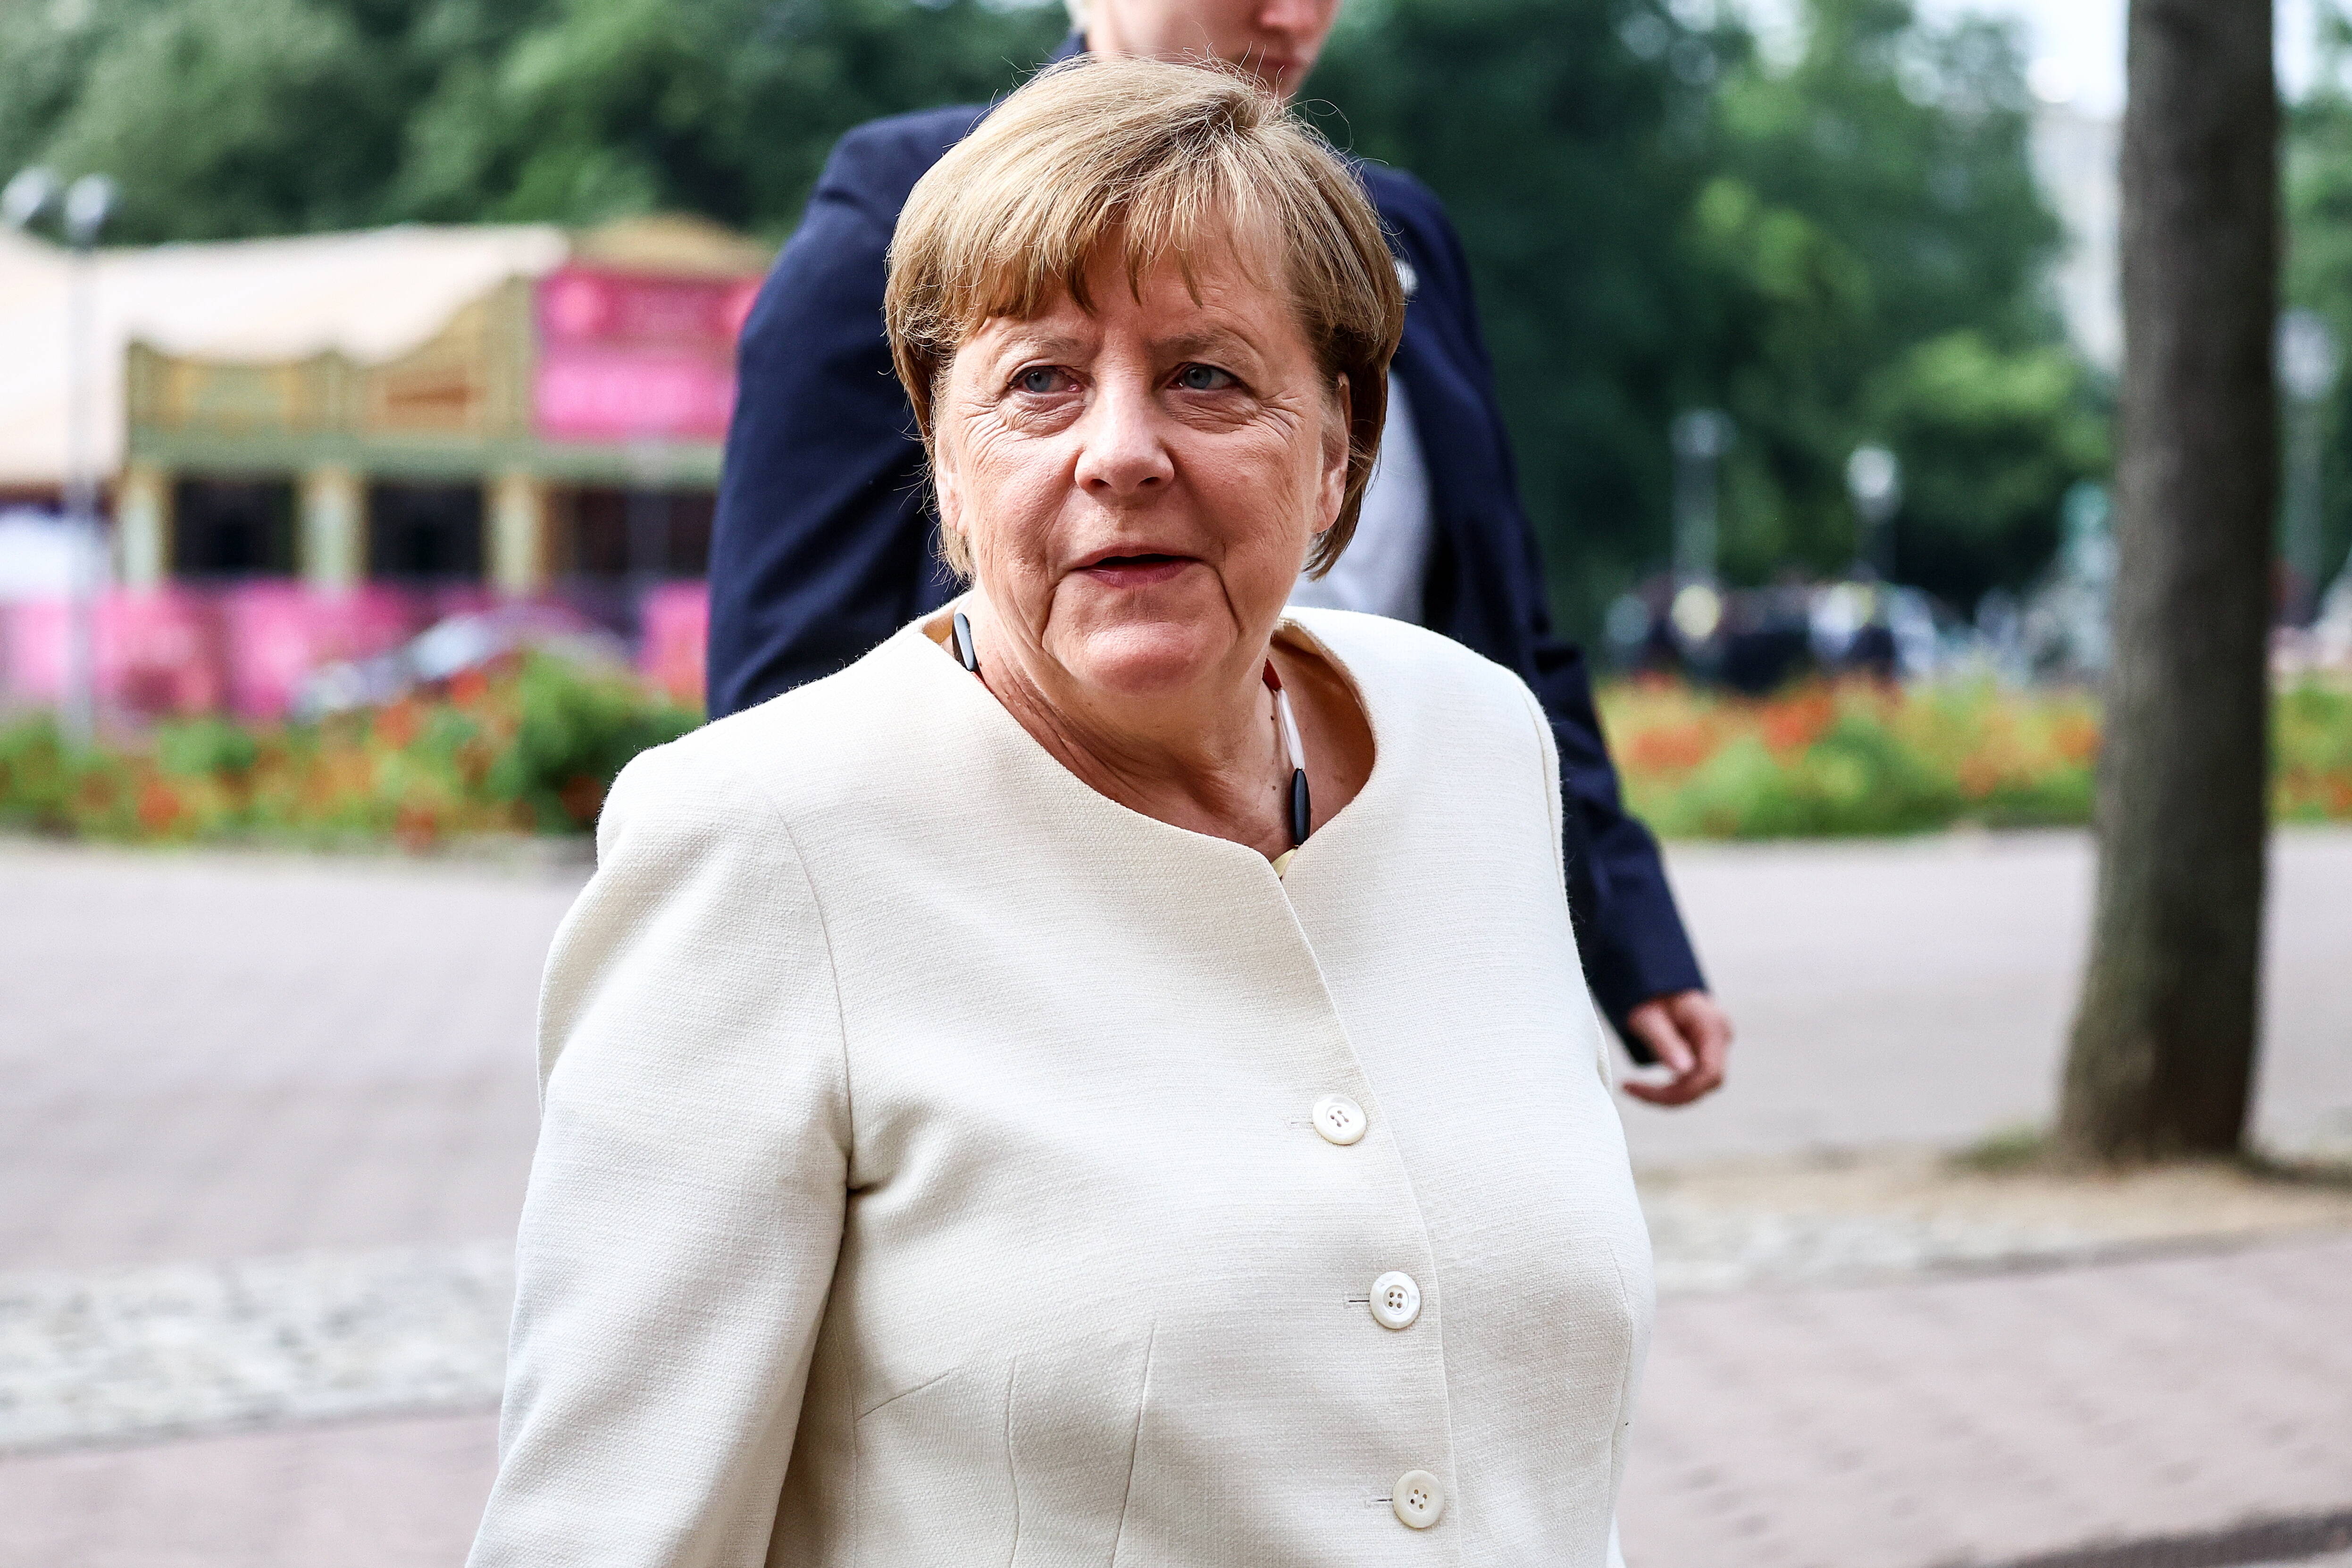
921, 646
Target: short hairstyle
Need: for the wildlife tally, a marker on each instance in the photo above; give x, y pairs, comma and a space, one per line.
1161, 159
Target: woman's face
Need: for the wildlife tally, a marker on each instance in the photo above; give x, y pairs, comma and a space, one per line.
1274, 40
1140, 485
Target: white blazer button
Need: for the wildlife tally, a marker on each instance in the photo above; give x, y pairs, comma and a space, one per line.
1419, 1498
1396, 1300
1339, 1119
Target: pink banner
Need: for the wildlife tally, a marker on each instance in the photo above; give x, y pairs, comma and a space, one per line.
626, 357
160, 652
632, 395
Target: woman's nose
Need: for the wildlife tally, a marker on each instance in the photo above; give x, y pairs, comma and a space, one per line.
1124, 453
1297, 17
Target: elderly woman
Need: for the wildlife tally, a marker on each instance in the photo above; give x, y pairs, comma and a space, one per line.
1106, 1078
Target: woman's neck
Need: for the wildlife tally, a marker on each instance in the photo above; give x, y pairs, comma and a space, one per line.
1208, 759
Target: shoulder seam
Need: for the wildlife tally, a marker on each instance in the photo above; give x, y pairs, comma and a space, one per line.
782, 821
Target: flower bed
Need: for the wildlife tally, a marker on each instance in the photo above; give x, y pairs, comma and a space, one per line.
527, 745
1858, 758
530, 744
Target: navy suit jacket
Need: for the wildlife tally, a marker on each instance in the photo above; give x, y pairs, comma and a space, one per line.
825, 545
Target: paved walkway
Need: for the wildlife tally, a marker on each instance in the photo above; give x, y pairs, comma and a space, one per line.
263, 1115
1921, 992
1988, 1419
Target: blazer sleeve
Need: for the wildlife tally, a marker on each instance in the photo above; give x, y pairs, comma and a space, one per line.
687, 1199
822, 539
1631, 935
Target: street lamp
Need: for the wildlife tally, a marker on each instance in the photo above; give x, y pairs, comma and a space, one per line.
84, 206
2308, 362
1873, 477
26, 196
1702, 438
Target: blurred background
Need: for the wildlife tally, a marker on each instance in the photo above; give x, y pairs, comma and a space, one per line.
364, 370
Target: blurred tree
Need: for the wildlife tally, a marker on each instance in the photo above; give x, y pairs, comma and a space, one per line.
1568, 139
1992, 439
1840, 249
2163, 1049
227, 117
1879, 247
722, 107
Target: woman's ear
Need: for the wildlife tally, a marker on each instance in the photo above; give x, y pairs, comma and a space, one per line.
948, 496
1336, 432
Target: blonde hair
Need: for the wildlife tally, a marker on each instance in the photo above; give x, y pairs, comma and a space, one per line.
1161, 159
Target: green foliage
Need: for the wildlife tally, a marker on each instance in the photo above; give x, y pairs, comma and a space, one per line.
223, 118
574, 736
1829, 761
1568, 160
1841, 249
2008, 1151
1991, 438
724, 107
208, 747
1878, 244
36, 780
2311, 753
1855, 779
530, 746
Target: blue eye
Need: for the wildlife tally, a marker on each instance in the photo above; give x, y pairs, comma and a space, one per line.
1205, 378
1039, 380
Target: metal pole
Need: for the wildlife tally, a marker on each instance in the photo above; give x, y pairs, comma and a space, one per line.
88, 202
1701, 437
2303, 509
79, 714
2309, 359
1873, 477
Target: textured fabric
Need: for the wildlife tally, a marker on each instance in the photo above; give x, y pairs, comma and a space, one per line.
1382, 569
823, 543
926, 1174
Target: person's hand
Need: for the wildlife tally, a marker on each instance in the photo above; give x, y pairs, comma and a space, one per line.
1691, 1036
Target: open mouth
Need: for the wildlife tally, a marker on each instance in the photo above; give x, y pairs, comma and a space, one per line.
1138, 570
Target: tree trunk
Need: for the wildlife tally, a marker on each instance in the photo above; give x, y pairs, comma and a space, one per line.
2164, 1040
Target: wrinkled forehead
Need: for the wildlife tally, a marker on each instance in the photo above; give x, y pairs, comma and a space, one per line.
1211, 246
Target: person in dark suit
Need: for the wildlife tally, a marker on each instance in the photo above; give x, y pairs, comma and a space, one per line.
824, 543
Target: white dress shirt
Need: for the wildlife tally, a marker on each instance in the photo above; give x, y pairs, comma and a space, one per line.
1381, 570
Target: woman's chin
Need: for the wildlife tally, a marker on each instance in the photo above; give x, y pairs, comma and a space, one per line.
1147, 658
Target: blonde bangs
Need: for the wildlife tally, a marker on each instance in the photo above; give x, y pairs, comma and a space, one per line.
1164, 162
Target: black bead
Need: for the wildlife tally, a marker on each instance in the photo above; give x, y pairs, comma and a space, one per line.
1302, 814
965, 653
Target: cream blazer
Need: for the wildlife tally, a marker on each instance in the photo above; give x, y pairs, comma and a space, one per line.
942, 1165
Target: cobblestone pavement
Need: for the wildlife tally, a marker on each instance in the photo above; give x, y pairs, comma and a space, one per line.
1989, 1419
267, 1121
